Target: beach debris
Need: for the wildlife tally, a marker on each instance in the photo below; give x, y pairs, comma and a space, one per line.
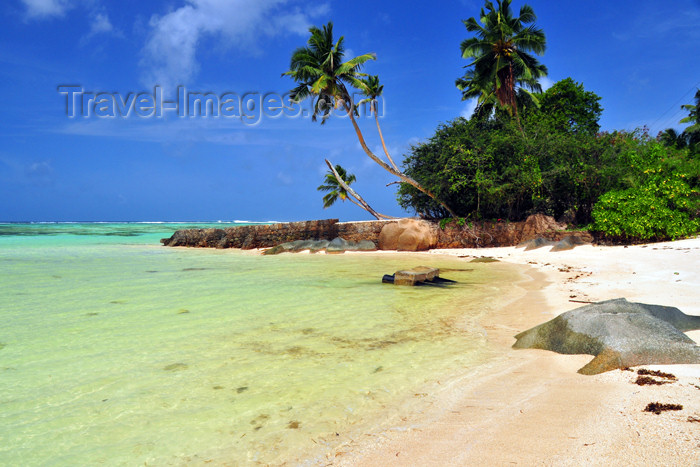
241, 389
182, 311
657, 373
294, 425
649, 381
658, 407
420, 275
693, 419
175, 367
619, 334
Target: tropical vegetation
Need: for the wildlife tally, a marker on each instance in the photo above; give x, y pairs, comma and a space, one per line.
524, 150
626, 186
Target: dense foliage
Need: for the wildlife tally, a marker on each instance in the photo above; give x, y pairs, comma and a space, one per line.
625, 185
660, 200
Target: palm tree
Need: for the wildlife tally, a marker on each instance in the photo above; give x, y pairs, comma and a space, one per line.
693, 131
320, 72
501, 59
670, 137
337, 185
371, 89
333, 188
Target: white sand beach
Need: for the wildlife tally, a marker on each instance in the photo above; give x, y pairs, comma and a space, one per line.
530, 407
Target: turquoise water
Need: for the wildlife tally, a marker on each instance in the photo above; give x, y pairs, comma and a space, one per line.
115, 350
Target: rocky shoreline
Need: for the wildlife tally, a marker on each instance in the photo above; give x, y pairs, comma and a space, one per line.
400, 234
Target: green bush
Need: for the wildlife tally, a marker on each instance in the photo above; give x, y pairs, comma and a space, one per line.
665, 207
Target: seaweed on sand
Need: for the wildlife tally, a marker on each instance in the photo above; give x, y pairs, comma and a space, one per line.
648, 381
658, 407
660, 374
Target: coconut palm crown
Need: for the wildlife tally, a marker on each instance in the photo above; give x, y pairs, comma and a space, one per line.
501, 55
320, 71
694, 115
333, 188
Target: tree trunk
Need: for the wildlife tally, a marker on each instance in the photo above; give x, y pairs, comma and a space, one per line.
373, 108
385, 166
362, 203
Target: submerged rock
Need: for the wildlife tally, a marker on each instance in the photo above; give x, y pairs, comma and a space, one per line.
337, 245
175, 367
484, 259
619, 334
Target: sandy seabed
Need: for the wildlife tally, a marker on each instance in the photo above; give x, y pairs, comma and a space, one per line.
530, 407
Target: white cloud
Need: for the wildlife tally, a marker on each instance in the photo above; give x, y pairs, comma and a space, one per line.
46, 8
170, 54
100, 24
469, 108
546, 83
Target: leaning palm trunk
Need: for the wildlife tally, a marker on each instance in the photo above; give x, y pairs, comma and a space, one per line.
349, 108
373, 108
354, 196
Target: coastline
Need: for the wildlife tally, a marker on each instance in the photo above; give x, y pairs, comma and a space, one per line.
530, 407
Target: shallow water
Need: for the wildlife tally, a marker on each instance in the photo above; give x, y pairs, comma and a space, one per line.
117, 351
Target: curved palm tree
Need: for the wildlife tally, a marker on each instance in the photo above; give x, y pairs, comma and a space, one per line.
371, 89
334, 189
337, 185
501, 55
320, 72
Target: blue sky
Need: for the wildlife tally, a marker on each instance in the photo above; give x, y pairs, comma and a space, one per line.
640, 57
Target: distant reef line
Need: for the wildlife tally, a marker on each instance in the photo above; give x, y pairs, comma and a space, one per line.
470, 235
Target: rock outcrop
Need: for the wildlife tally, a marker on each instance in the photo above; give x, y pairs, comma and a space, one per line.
503, 233
619, 334
538, 224
421, 234
255, 236
408, 235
